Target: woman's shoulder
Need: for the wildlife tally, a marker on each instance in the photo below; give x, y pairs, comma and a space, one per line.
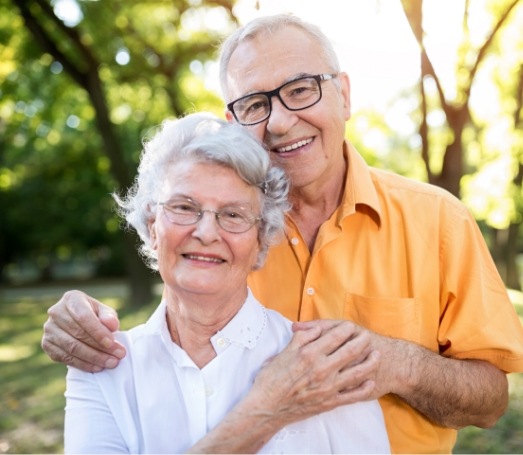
278, 326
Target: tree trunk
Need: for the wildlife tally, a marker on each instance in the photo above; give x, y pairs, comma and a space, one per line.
512, 279
452, 168
139, 277
87, 77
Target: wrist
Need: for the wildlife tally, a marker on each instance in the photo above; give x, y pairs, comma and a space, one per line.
402, 372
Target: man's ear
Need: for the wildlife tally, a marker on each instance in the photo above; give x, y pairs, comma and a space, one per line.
229, 116
345, 91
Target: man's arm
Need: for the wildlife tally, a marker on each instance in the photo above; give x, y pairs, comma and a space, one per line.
451, 392
79, 333
348, 364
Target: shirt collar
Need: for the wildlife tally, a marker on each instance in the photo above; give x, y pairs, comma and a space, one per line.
359, 187
243, 330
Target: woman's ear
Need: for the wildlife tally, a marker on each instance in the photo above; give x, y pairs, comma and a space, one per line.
151, 225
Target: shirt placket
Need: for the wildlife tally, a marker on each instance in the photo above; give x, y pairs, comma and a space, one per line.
303, 257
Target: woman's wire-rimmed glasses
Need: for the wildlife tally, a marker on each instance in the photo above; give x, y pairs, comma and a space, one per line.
231, 218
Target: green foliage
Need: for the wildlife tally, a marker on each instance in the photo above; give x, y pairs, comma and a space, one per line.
381, 143
491, 189
56, 168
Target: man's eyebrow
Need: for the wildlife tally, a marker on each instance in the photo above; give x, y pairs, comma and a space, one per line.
290, 79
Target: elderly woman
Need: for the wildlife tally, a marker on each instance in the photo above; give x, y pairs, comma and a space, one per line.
207, 206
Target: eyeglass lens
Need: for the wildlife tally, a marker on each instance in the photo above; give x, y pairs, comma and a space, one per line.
295, 95
232, 218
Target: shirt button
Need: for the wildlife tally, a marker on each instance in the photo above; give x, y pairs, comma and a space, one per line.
295, 240
221, 342
310, 291
209, 391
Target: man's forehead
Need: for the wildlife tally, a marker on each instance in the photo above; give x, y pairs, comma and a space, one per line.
257, 65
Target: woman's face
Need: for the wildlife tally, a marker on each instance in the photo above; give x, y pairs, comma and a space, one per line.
203, 258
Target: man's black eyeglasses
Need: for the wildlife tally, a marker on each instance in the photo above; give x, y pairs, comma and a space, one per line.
294, 95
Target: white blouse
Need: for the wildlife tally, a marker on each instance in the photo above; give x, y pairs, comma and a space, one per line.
158, 401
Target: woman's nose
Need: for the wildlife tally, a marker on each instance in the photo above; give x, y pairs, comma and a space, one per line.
207, 228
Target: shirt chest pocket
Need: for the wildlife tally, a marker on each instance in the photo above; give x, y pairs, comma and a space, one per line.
394, 317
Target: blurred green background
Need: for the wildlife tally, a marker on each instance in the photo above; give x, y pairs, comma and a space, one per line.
84, 82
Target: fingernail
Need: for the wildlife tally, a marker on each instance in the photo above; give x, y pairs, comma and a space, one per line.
120, 353
107, 342
111, 363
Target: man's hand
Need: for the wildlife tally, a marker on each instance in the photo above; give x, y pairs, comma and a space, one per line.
326, 364
332, 363
79, 333
451, 392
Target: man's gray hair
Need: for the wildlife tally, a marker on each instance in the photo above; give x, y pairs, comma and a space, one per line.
268, 25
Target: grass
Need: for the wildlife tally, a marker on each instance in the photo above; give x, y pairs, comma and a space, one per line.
32, 394
32, 387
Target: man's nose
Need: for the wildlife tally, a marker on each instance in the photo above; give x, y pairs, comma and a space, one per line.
281, 119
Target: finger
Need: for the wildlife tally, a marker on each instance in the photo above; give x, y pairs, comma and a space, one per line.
84, 322
78, 354
109, 318
60, 331
336, 336
314, 360
303, 337
359, 376
365, 391
61, 356
355, 350
330, 368
323, 324
73, 339
355, 384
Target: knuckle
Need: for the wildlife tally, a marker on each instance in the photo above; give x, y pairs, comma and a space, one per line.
46, 326
71, 348
52, 311
47, 347
67, 359
309, 358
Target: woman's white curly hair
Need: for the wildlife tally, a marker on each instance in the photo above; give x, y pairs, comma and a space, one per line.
203, 137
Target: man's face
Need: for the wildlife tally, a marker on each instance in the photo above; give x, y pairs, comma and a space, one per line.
306, 143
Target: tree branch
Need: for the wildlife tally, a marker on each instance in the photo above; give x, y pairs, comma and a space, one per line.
79, 72
484, 49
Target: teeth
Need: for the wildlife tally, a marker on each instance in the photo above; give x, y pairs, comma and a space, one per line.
294, 146
203, 258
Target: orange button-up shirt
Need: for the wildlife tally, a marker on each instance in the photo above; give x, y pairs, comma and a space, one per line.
407, 260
